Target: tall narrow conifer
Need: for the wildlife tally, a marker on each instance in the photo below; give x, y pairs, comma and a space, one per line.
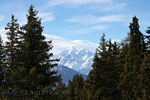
12, 50
39, 77
131, 77
2, 70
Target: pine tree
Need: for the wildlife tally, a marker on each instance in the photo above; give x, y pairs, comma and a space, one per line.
12, 49
121, 62
61, 90
70, 91
94, 81
145, 69
131, 77
117, 69
78, 84
112, 73
75, 88
2, 70
39, 78
102, 81
146, 76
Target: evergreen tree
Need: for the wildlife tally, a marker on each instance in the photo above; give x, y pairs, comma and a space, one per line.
131, 77
146, 77
70, 91
2, 70
61, 90
75, 88
12, 49
121, 62
117, 69
145, 69
102, 81
39, 78
78, 82
94, 81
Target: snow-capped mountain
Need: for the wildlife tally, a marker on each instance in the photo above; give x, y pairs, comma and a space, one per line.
77, 59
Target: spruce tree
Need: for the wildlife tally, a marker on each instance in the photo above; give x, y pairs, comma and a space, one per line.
75, 88
117, 69
94, 82
70, 91
146, 77
39, 78
145, 69
2, 70
130, 83
121, 63
61, 90
12, 49
78, 82
101, 83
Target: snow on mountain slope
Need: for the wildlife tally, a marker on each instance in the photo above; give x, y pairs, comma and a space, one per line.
77, 59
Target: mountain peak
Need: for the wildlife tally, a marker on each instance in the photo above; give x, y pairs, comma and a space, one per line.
72, 50
77, 59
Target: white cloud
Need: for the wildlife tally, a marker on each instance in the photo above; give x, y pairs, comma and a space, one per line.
98, 27
87, 19
61, 44
95, 5
112, 18
46, 17
109, 7
87, 30
90, 19
75, 2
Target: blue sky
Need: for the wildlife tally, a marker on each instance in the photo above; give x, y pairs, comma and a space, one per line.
80, 20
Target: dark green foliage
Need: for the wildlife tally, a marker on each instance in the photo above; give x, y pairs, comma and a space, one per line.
70, 92
103, 78
75, 88
38, 78
26, 72
2, 69
78, 82
145, 69
146, 77
12, 46
131, 77
94, 81
12, 54
61, 90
